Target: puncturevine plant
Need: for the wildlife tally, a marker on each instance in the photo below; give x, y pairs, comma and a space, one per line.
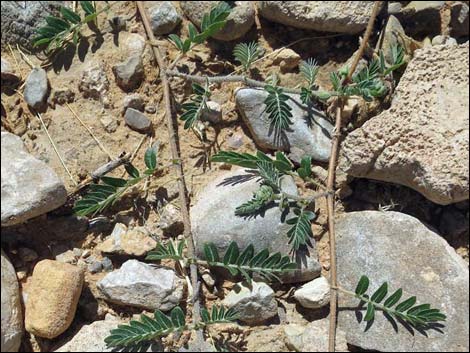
368, 83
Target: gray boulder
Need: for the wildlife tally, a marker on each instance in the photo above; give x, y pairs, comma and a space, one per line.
220, 199
310, 133
142, 285
396, 248
422, 140
20, 20
29, 187
12, 319
164, 18
326, 16
36, 88
239, 22
254, 303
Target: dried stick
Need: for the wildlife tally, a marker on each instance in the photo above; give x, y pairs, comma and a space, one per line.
331, 184
179, 168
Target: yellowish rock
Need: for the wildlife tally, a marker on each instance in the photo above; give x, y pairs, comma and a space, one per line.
52, 298
134, 242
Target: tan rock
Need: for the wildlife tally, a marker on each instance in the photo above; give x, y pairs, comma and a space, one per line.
135, 242
287, 59
422, 140
52, 298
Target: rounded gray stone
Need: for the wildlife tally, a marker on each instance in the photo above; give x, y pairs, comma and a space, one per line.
137, 120
164, 18
36, 88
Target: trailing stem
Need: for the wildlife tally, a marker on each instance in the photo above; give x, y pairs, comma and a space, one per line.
178, 166
331, 184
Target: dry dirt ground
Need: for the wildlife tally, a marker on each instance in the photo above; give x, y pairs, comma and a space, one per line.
82, 155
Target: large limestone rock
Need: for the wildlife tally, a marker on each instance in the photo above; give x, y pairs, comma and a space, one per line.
326, 16
143, 285
220, 199
52, 298
422, 140
12, 319
239, 22
309, 134
399, 249
29, 187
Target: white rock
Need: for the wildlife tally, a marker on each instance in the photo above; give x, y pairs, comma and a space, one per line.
36, 88
29, 187
93, 81
164, 18
254, 304
314, 294
142, 285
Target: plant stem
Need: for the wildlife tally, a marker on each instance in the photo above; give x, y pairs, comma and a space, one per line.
178, 166
331, 184
232, 78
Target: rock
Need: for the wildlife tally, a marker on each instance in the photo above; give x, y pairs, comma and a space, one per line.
90, 338
394, 8
67, 257
93, 81
239, 22
137, 121
254, 304
29, 187
107, 264
134, 242
8, 73
208, 279
12, 319
421, 17
314, 294
164, 18
422, 140
385, 246
171, 221
142, 285
36, 88
300, 140
95, 267
459, 19
220, 199
443, 40
326, 16
109, 123
213, 113
129, 74
151, 109
133, 44
52, 298
287, 59
21, 20
235, 141
313, 337
134, 101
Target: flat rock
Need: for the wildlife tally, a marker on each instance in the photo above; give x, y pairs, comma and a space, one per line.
142, 285
239, 22
164, 18
52, 298
221, 197
90, 338
29, 187
326, 16
313, 337
399, 249
422, 140
309, 134
137, 121
314, 294
254, 304
12, 318
36, 88
129, 74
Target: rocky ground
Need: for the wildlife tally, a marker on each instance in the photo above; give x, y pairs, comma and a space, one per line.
402, 177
